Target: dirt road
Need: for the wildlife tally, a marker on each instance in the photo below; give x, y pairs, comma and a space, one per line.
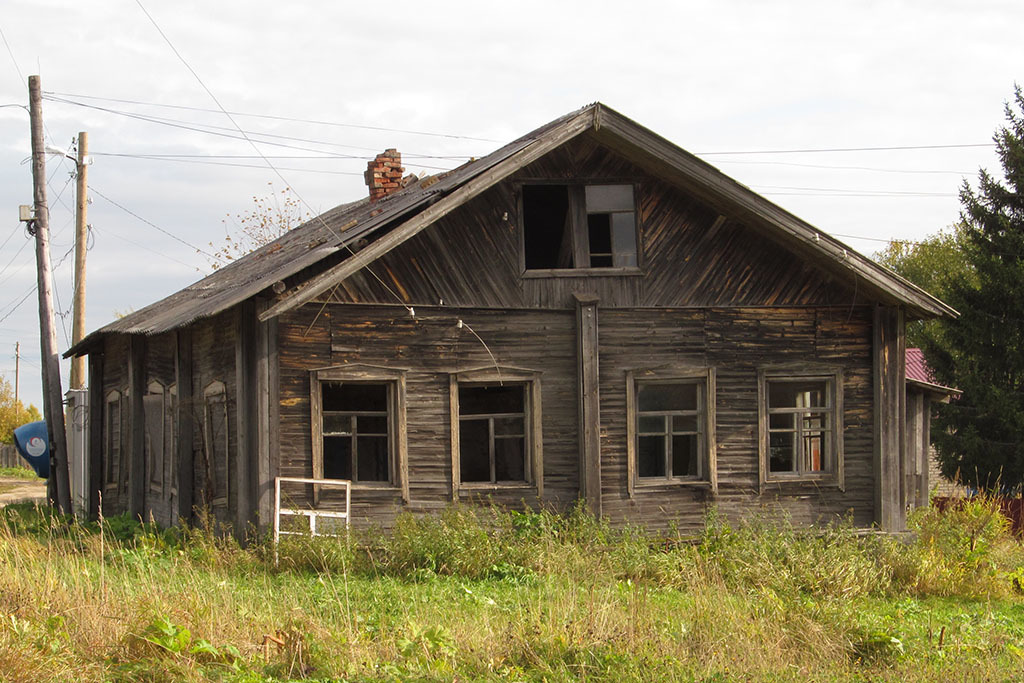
14, 490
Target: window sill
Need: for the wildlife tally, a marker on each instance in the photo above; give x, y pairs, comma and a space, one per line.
643, 484
581, 272
804, 482
485, 488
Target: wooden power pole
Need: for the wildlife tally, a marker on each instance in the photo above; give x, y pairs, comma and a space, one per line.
59, 488
81, 237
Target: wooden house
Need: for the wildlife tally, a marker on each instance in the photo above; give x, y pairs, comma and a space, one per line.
588, 312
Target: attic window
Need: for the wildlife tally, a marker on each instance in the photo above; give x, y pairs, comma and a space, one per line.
573, 227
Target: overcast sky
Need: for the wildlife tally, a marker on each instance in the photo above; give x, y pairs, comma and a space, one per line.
730, 81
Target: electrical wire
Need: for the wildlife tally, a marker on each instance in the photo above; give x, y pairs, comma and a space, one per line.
210, 129
18, 305
11, 53
92, 188
847, 168
149, 249
277, 118
879, 193
270, 164
846, 149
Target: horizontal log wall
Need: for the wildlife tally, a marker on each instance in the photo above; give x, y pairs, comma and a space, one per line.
734, 341
430, 347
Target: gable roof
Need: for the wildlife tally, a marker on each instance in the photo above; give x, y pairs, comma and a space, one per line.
391, 221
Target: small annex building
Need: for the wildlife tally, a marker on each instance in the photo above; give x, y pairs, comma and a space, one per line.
589, 312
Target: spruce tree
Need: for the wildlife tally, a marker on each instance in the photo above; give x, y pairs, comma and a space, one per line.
980, 436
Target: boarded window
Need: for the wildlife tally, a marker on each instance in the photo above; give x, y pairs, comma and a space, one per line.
216, 438
356, 431
154, 408
113, 439
577, 226
492, 433
670, 439
171, 432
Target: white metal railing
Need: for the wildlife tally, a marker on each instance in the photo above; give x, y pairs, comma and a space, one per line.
310, 513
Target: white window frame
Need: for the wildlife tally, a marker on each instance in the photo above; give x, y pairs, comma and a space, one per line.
704, 378
832, 378
533, 441
395, 381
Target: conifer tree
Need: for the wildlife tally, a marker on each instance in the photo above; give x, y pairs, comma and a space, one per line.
980, 436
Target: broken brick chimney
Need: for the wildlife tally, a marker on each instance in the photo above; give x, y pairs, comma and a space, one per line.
384, 174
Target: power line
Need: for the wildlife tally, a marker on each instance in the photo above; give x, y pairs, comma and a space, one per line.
92, 188
276, 118
210, 129
858, 192
199, 160
846, 149
847, 168
270, 164
11, 53
149, 249
18, 305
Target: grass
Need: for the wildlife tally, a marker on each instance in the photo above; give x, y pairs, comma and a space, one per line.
18, 473
486, 594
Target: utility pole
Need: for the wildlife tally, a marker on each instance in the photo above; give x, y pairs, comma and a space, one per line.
17, 373
58, 487
81, 237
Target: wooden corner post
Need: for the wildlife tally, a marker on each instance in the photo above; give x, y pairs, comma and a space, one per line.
589, 400
890, 417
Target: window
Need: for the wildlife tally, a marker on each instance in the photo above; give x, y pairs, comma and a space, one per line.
215, 432
356, 431
153, 409
496, 439
801, 436
113, 440
358, 424
569, 227
492, 433
671, 427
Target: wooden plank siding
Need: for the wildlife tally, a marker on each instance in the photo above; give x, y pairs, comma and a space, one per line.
711, 293
432, 347
688, 257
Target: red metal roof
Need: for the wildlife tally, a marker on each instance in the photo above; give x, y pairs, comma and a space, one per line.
918, 370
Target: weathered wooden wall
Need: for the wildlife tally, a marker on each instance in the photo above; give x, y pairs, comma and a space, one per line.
734, 341
688, 257
431, 346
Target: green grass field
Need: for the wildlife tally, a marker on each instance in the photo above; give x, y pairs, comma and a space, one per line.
483, 594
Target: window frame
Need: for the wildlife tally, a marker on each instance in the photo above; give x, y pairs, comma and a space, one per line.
155, 389
833, 474
172, 424
533, 441
579, 229
705, 379
395, 381
217, 390
113, 463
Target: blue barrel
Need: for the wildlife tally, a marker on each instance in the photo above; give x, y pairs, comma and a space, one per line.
32, 442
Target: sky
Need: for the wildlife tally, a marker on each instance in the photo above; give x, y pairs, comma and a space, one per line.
793, 99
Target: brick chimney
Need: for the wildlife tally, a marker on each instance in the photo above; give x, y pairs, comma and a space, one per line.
384, 174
